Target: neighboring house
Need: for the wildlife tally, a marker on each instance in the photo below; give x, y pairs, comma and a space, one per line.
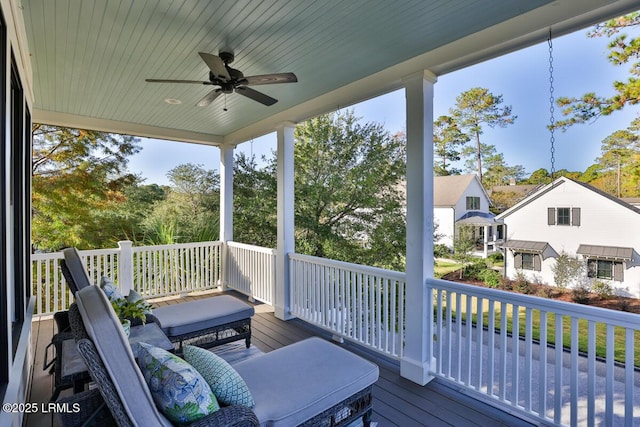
461, 200
580, 220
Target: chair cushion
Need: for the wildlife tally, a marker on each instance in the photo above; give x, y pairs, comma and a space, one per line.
110, 289
226, 384
73, 262
178, 389
106, 333
294, 383
191, 316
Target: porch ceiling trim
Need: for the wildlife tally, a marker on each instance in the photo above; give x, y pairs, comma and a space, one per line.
128, 128
609, 252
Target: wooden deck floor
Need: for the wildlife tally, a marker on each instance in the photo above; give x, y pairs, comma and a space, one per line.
397, 402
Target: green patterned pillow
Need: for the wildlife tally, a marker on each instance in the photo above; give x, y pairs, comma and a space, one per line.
226, 383
110, 289
178, 390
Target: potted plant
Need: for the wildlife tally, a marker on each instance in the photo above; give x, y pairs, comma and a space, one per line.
131, 311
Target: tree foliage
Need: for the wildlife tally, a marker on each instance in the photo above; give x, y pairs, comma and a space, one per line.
79, 177
191, 210
349, 204
447, 140
622, 50
475, 108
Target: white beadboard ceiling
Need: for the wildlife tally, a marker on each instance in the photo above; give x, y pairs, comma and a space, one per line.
90, 57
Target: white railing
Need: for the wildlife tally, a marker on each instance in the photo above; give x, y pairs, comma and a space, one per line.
49, 286
164, 270
359, 303
153, 271
251, 270
539, 370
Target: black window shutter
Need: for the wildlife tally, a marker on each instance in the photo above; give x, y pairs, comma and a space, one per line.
575, 216
551, 216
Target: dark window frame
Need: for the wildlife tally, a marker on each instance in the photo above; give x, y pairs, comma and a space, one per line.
473, 203
563, 216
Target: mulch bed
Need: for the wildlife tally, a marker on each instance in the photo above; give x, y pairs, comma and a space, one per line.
631, 305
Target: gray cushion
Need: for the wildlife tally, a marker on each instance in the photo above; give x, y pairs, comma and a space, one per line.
296, 382
76, 268
191, 316
103, 328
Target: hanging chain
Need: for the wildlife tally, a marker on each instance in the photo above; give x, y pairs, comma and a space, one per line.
552, 119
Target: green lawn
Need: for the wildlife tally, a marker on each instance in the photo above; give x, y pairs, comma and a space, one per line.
601, 333
441, 268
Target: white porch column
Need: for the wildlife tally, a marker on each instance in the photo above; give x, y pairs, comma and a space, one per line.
286, 240
486, 241
226, 207
125, 267
419, 302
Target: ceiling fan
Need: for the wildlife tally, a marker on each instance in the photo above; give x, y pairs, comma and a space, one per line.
231, 80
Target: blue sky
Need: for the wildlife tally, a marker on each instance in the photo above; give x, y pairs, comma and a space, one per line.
522, 78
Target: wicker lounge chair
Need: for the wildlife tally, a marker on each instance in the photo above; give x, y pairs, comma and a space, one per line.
206, 323
311, 383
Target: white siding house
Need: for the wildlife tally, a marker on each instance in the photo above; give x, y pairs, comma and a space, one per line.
461, 199
582, 221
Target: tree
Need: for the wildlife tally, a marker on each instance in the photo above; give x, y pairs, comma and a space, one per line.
477, 107
622, 50
499, 173
618, 151
190, 212
540, 176
349, 202
254, 201
78, 180
447, 138
568, 271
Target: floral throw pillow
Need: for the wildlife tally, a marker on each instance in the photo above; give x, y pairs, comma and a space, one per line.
110, 289
225, 382
178, 390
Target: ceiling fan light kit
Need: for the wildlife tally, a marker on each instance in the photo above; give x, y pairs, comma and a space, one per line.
230, 80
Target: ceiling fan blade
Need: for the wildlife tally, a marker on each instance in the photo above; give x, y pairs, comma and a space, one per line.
200, 82
256, 96
216, 65
209, 98
268, 79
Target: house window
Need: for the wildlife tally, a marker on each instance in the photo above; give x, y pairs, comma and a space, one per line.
605, 269
473, 203
564, 216
527, 261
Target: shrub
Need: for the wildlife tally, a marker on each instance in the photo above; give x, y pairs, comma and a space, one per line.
567, 270
580, 293
623, 303
495, 258
505, 284
475, 269
546, 291
602, 289
441, 251
490, 278
521, 284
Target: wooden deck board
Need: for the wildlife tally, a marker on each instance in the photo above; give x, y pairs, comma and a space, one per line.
397, 401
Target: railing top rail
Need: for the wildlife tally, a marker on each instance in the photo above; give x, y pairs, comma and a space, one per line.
175, 246
254, 248
84, 253
596, 314
374, 271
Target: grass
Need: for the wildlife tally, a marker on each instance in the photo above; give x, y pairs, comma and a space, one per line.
444, 267
567, 332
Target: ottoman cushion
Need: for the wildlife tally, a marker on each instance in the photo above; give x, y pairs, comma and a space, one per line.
294, 383
191, 316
